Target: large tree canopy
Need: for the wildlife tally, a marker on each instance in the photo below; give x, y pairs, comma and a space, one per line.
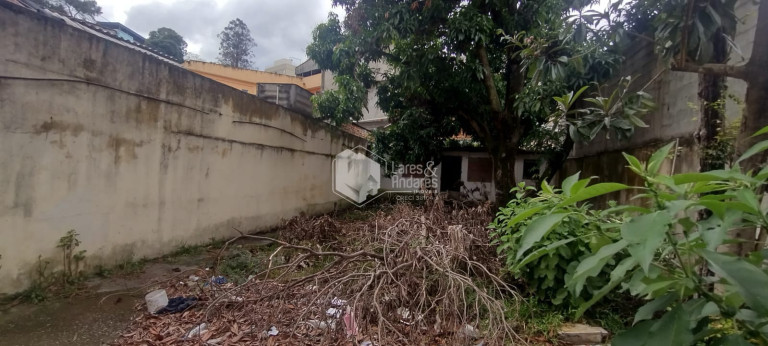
169, 42
489, 68
237, 44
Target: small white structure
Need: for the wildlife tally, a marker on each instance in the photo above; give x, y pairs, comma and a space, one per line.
282, 66
469, 173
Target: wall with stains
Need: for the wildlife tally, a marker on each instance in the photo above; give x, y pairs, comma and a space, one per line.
136, 155
675, 118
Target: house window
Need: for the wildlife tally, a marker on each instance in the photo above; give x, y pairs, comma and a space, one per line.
530, 169
480, 169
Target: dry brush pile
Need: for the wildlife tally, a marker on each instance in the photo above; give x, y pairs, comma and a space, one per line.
406, 275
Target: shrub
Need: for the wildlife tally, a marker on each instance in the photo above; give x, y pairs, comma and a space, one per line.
567, 233
667, 253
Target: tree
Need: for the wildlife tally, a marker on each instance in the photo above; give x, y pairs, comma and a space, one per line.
169, 42
236, 47
696, 36
488, 68
82, 9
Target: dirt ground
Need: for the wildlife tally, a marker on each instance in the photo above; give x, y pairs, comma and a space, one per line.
403, 274
96, 316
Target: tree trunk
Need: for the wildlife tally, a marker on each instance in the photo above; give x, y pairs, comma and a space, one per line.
756, 117
756, 112
504, 177
756, 100
557, 160
711, 87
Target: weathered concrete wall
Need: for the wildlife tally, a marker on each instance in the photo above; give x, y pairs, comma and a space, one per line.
675, 118
138, 155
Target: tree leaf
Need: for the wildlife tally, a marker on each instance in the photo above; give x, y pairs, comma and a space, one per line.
593, 191
672, 329
644, 234
685, 178
658, 157
568, 183
764, 130
757, 148
580, 185
647, 310
592, 265
635, 336
634, 163
748, 198
523, 215
537, 230
625, 209
541, 252
617, 277
749, 280
714, 229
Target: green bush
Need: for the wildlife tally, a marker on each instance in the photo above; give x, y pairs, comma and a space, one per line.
567, 234
669, 253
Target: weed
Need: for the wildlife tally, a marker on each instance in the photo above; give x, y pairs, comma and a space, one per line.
71, 258
131, 266
34, 294
186, 250
240, 264
38, 291
536, 319
216, 243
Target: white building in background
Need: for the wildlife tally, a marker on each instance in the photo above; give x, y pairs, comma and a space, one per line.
282, 66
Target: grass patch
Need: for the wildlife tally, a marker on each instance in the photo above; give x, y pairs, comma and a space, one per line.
239, 264
128, 267
186, 250
537, 320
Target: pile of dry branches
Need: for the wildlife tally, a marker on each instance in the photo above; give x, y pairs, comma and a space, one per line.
406, 275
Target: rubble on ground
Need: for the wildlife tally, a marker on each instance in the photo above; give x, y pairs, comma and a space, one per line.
406, 275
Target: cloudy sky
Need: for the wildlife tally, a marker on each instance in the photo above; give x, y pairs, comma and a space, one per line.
281, 28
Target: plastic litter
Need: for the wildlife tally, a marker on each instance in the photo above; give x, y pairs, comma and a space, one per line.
469, 331
219, 280
350, 325
333, 312
404, 312
197, 331
317, 324
178, 304
156, 300
273, 331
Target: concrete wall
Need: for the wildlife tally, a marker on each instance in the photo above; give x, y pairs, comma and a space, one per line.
137, 155
676, 117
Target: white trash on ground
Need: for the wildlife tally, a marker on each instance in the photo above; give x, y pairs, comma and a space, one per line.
156, 300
